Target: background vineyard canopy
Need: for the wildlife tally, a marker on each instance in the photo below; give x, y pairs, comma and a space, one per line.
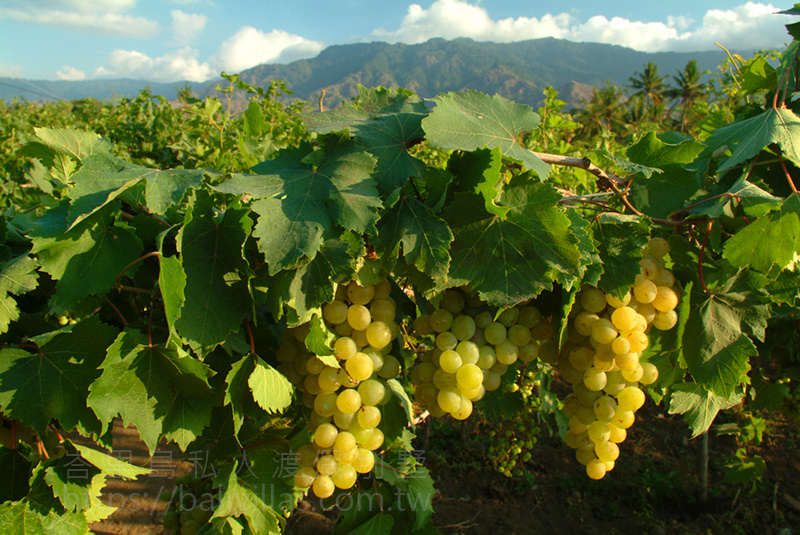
151, 262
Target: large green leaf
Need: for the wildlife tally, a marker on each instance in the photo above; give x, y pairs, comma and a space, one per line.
217, 294
748, 137
271, 389
85, 260
620, 239
380, 524
700, 406
771, 240
424, 237
236, 499
755, 201
311, 193
160, 390
17, 276
55, 382
512, 259
715, 344
470, 120
385, 122
480, 171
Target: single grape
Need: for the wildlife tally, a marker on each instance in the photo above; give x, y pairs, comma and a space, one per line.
469, 377
463, 327
446, 340
327, 465
360, 295
369, 417
345, 476
666, 299
624, 318
645, 291
507, 353
593, 299
359, 366
599, 432
323, 486
325, 435
596, 469
325, 404
594, 379
344, 441
382, 310
631, 398
348, 401
365, 461
664, 321
449, 399
452, 301
378, 334
649, 373
441, 320
657, 247
606, 451
603, 331
335, 312
495, 333
344, 348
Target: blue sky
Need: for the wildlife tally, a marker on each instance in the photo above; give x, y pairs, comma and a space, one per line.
171, 40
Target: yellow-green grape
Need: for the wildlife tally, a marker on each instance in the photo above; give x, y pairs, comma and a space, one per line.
617, 434
664, 321
649, 267
584, 456
628, 361
624, 318
469, 377
422, 325
581, 358
630, 398
594, 379
452, 301
463, 327
638, 341
344, 348
491, 381
583, 322
585, 396
325, 435
450, 361
593, 299
343, 420
323, 486
529, 316
382, 310
623, 419
360, 295
666, 299
449, 399
359, 366
570, 406
615, 382
360, 337
620, 345
361, 434
633, 375
664, 277
348, 401
645, 291
390, 368
446, 340
468, 351
585, 414
464, 409
376, 356
605, 408
382, 289
495, 333
596, 469
529, 352
327, 465
519, 335
329, 379
375, 440
584, 442
325, 404
372, 391
570, 439
346, 380
616, 302
311, 385
576, 425
506, 352
599, 431
345, 456
306, 455
378, 334
606, 451
423, 372
603, 331
369, 417
358, 317
483, 319
335, 312
657, 247
365, 461
649, 374
345, 476
443, 380
441, 320
508, 317
486, 358
344, 441
314, 365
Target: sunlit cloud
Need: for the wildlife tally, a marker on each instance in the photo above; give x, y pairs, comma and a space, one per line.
70, 73
250, 47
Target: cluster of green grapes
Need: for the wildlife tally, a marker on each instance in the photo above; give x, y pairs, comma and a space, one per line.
514, 437
190, 505
473, 348
601, 359
344, 399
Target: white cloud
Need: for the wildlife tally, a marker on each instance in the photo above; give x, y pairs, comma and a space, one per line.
70, 73
101, 16
187, 26
10, 71
745, 27
250, 47
181, 64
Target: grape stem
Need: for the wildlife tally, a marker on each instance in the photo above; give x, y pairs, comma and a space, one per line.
788, 176
121, 317
700, 256
126, 268
250, 336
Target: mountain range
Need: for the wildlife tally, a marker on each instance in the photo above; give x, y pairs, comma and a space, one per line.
519, 71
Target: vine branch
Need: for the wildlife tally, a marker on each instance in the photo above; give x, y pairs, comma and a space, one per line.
709, 225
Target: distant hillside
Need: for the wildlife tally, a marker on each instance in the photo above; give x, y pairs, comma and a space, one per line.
100, 89
518, 71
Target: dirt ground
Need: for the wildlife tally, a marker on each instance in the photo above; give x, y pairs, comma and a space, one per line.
654, 490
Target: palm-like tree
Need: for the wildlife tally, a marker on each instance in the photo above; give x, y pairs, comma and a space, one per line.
689, 89
650, 87
603, 114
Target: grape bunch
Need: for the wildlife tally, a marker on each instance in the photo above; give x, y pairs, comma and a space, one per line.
344, 400
473, 347
601, 359
513, 439
190, 505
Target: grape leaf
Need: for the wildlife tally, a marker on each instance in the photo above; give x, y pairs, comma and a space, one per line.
238, 500
480, 171
311, 192
310, 285
160, 390
85, 260
171, 285
109, 465
654, 152
237, 389
755, 201
320, 340
79, 144
768, 395
385, 122
470, 120
512, 259
771, 240
71, 479
425, 238
592, 263
217, 289
17, 276
16, 473
715, 347
748, 137
270, 388
380, 524
55, 382
699, 406
620, 239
